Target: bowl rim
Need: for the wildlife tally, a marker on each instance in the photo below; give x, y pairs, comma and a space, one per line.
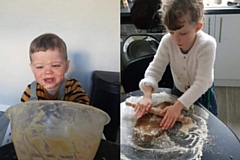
75, 104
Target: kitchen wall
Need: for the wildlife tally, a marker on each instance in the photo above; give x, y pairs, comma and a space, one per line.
89, 28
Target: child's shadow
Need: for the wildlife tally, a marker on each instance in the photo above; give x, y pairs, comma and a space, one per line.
80, 69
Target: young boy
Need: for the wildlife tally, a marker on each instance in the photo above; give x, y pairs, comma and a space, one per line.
191, 54
49, 63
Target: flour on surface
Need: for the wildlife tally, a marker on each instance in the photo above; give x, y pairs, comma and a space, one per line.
183, 141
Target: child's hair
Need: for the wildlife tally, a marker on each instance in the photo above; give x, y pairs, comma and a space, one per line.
48, 41
173, 10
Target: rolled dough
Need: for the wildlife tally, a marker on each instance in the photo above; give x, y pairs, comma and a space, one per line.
147, 128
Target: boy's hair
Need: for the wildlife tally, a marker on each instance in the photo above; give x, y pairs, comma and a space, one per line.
48, 41
173, 10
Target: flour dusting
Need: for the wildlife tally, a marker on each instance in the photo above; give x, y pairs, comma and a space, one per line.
183, 141
153, 118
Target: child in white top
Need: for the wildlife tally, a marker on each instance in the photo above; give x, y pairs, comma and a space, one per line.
191, 55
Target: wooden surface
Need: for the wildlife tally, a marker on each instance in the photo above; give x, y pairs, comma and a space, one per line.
228, 99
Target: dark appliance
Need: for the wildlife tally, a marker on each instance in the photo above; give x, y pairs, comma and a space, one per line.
137, 52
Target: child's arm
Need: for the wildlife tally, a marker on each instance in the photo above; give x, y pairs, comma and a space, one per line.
171, 115
145, 103
157, 67
26, 95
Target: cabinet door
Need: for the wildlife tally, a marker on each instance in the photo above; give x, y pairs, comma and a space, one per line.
227, 65
209, 24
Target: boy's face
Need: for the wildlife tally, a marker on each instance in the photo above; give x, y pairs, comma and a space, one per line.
185, 36
49, 68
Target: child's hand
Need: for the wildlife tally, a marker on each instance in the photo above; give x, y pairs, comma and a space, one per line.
171, 113
142, 106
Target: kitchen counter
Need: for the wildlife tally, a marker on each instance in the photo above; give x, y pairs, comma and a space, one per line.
221, 144
126, 16
222, 10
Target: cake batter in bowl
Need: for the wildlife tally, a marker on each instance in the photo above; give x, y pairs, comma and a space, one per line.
56, 130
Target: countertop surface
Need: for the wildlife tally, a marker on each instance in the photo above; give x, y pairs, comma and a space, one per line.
221, 144
221, 9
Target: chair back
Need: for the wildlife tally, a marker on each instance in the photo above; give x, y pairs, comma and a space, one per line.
134, 71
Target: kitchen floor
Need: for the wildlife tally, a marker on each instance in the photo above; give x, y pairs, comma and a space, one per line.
228, 99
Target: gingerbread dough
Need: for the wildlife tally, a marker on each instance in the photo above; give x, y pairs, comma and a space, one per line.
147, 128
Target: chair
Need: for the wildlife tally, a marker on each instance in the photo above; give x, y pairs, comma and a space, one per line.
134, 71
105, 95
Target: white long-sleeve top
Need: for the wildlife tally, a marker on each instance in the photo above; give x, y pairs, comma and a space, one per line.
194, 69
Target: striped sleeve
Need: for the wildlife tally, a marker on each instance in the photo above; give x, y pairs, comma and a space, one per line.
75, 93
26, 94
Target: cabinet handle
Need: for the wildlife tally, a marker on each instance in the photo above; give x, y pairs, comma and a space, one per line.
220, 30
209, 21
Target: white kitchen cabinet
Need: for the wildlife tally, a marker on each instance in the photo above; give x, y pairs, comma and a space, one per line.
209, 24
224, 27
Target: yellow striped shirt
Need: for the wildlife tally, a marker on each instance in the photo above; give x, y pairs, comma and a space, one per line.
73, 92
